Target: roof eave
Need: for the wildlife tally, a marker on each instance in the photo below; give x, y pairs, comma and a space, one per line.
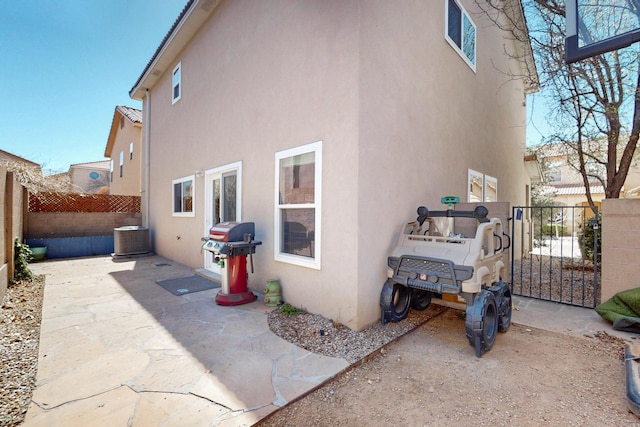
194, 14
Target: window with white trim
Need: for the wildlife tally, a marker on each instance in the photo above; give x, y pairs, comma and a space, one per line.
111, 170
482, 188
131, 151
121, 162
460, 32
298, 205
176, 83
183, 196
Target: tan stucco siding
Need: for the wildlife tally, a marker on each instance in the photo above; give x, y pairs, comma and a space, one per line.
400, 115
425, 119
129, 183
277, 78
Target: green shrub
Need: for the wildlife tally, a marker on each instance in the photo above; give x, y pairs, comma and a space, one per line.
554, 229
591, 230
21, 262
290, 310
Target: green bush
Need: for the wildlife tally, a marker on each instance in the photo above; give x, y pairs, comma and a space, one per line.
591, 230
21, 262
551, 229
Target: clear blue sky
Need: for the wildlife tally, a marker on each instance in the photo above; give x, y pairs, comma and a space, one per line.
65, 65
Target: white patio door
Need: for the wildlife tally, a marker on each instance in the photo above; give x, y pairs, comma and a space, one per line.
222, 202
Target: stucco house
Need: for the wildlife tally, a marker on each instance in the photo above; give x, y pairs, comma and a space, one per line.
327, 123
90, 177
565, 185
124, 150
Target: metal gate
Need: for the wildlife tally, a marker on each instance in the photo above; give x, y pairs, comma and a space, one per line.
555, 252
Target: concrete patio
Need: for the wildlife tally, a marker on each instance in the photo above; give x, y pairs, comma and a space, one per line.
117, 349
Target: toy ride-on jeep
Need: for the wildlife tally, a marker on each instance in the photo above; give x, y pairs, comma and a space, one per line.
433, 260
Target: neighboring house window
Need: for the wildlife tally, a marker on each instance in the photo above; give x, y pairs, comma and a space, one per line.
111, 171
554, 171
121, 122
131, 151
461, 32
121, 162
298, 205
482, 188
183, 197
176, 83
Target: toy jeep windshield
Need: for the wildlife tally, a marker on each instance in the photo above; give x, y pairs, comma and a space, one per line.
434, 261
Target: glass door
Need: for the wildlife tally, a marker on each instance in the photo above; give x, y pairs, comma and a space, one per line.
222, 202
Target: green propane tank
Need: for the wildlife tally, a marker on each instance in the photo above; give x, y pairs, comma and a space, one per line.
273, 293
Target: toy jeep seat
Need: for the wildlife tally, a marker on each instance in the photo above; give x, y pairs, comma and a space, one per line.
444, 268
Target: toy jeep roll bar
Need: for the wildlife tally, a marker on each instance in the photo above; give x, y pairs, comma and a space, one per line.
426, 265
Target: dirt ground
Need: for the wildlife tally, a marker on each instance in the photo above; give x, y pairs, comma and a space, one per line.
431, 377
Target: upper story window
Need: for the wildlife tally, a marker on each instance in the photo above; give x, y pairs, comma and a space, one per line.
131, 151
111, 170
298, 203
461, 32
176, 83
121, 162
183, 200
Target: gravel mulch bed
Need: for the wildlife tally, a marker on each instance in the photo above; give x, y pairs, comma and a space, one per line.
20, 317
323, 336
566, 280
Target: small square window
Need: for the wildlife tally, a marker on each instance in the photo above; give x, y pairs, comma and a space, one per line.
183, 197
176, 83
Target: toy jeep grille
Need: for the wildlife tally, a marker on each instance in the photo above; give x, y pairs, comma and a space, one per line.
441, 269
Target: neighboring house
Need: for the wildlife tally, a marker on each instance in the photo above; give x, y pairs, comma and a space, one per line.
564, 182
6, 156
327, 124
91, 177
123, 148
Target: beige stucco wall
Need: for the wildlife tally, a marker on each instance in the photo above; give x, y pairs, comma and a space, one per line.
129, 183
620, 246
401, 116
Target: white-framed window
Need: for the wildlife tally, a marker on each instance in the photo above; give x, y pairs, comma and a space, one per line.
111, 170
121, 162
183, 196
176, 83
298, 205
460, 32
131, 151
482, 188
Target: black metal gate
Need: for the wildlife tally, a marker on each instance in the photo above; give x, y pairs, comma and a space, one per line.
555, 252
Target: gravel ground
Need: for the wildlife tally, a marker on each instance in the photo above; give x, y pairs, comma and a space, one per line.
322, 336
20, 317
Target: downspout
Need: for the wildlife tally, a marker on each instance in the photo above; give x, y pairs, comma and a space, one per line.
146, 176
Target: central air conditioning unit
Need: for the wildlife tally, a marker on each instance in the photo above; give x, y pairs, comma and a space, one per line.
130, 240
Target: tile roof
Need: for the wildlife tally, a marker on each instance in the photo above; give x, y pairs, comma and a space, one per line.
133, 114
576, 189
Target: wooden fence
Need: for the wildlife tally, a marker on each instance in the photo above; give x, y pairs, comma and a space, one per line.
74, 202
